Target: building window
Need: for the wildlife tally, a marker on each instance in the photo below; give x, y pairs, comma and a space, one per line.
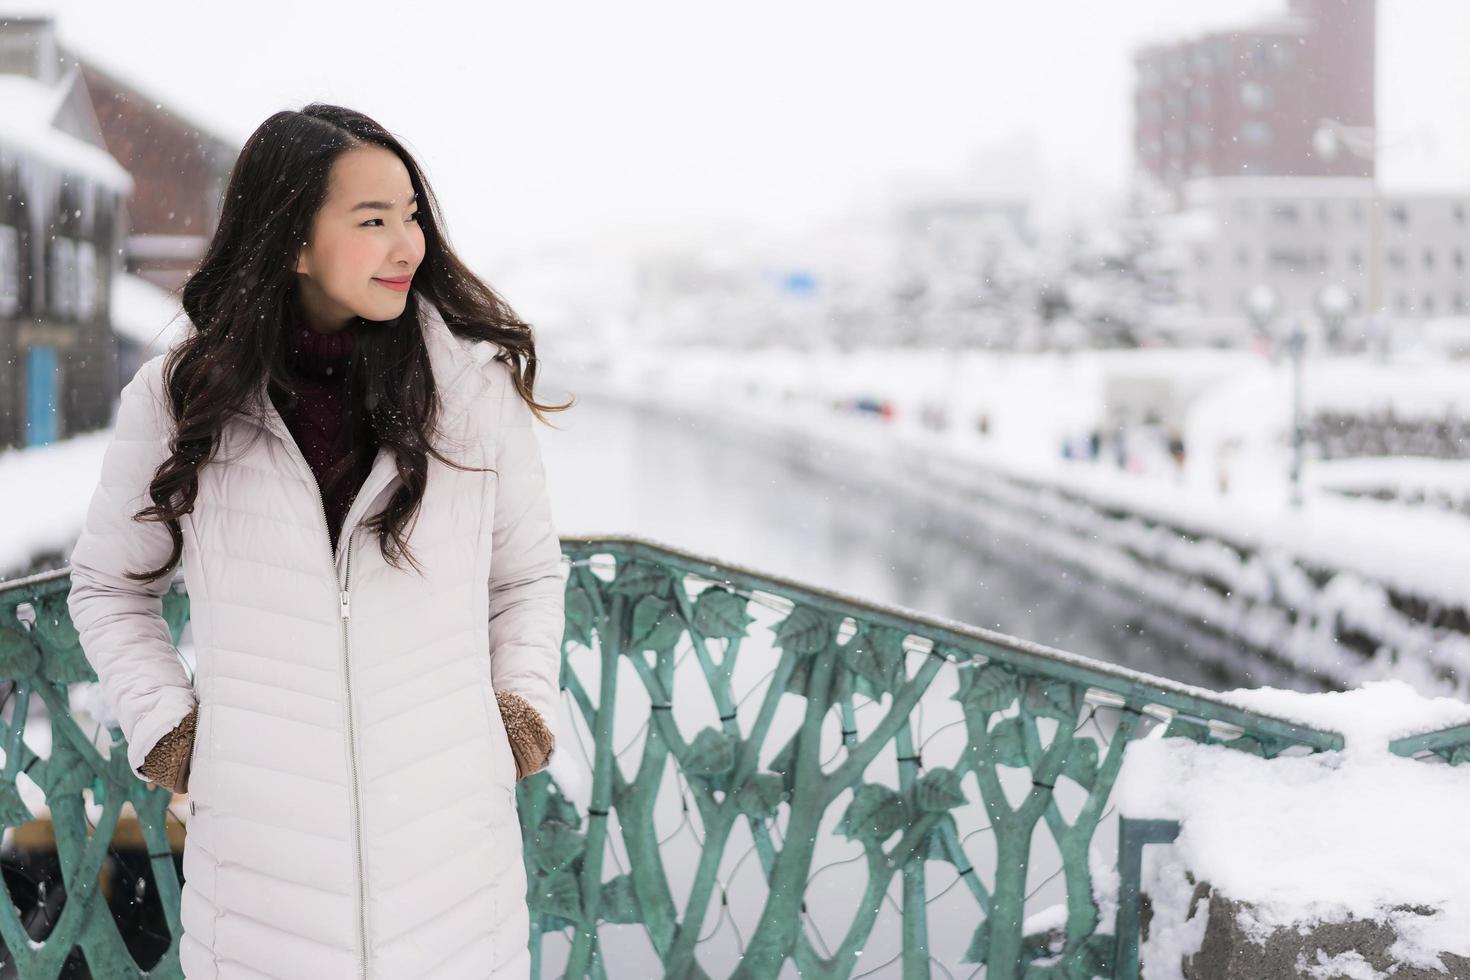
1459, 213
1396, 258
1254, 96
86, 281
9, 270
1357, 212
1400, 214
1324, 213
1289, 259
1428, 258
1285, 214
1457, 258
62, 281
1459, 302
1355, 257
1243, 257
1429, 304
1402, 302
1255, 132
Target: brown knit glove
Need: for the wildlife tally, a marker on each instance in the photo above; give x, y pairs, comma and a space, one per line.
530, 740
167, 763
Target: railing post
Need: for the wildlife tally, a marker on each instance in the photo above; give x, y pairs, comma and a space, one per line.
1132, 836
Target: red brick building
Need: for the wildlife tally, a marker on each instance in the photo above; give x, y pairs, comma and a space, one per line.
1247, 102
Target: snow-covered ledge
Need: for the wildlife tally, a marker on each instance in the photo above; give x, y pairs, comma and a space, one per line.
1352, 864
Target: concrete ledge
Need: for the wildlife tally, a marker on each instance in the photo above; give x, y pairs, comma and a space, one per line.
1333, 951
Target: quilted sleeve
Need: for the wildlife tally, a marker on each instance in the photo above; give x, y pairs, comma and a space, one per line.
527, 594
120, 621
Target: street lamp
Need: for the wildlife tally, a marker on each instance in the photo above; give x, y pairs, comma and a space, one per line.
1333, 304
1261, 303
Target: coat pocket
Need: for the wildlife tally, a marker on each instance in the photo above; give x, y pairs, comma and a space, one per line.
502, 760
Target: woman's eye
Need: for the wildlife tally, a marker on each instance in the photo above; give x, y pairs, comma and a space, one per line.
413, 217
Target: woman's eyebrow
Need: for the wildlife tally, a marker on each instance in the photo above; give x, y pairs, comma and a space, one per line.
380, 205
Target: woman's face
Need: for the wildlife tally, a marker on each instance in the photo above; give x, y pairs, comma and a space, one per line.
366, 231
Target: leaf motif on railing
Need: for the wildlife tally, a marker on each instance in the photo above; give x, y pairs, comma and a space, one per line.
722, 614
656, 625
839, 683
1005, 746
557, 846
805, 632
939, 790
987, 687
581, 614
65, 771
62, 658
620, 901
875, 655
1049, 698
876, 811
710, 754
559, 895
1082, 761
19, 655
761, 795
636, 577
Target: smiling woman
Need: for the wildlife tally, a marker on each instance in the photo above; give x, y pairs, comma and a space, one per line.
366, 241
351, 776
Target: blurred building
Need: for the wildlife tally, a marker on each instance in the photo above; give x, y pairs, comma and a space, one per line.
106, 200
1322, 240
1248, 102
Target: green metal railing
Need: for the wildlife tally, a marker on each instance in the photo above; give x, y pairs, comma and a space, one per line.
770, 777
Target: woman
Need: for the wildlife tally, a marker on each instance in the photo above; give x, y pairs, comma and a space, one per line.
340, 453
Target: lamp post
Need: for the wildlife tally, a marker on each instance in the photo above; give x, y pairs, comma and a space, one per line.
1296, 340
1333, 304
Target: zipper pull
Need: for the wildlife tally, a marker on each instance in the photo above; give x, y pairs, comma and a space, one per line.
344, 598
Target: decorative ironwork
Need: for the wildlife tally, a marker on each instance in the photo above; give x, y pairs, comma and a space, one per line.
767, 765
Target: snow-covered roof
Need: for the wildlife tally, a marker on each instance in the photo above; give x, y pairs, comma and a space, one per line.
27, 123
145, 314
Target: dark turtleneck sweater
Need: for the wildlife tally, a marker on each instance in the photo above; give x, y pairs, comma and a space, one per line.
320, 418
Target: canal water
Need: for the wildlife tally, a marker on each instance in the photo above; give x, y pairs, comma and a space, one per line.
619, 469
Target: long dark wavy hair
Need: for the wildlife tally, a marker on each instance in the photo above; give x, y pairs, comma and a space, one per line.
243, 297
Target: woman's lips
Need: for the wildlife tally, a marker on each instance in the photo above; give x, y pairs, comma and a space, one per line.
397, 287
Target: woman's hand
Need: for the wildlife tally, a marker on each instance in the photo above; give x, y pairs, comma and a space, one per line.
168, 761
530, 740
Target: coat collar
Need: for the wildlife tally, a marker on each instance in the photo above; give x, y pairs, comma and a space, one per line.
453, 363
450, 361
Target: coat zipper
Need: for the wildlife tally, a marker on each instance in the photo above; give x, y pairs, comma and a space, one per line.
344, 603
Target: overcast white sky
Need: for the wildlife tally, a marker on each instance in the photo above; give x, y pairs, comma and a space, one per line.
629, 122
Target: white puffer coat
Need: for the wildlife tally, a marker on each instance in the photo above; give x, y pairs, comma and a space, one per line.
352, 786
